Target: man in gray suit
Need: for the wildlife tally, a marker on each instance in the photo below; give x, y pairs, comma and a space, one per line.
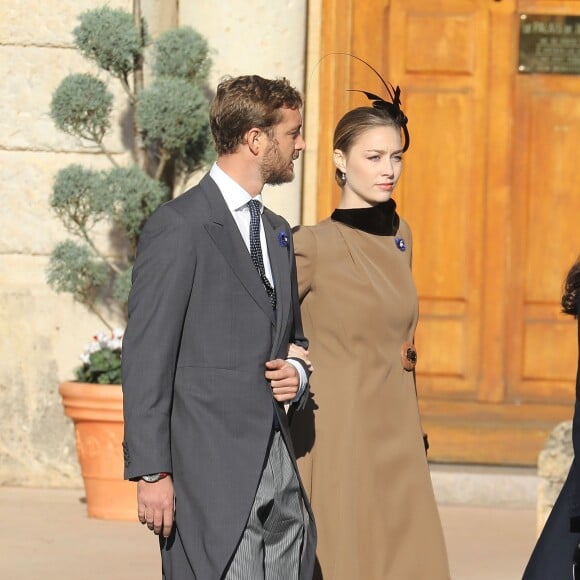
206, 371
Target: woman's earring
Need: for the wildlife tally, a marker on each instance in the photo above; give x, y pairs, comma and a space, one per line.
343, 178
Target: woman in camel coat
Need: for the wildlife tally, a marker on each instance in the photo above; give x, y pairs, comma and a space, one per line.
360, 443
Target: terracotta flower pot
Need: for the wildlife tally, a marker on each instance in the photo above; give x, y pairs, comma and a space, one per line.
97, 412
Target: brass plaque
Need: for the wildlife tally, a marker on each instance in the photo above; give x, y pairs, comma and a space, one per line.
549, 44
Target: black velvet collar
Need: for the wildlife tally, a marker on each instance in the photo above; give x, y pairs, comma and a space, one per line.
380, 220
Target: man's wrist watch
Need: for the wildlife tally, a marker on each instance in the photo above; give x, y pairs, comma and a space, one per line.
154, 477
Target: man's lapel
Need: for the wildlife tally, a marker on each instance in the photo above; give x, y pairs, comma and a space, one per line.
225, 234
278, 250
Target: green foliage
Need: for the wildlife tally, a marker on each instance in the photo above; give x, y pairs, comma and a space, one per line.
197, 153
131, 196
73, 268
81, 106
182, 53
122, 286
104, 368
76, 198
172, 112
110, 38
170, 139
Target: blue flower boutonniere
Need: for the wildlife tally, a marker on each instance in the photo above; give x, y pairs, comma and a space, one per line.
283, 239
400, 243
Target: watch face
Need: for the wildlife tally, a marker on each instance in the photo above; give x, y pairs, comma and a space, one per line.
151, 478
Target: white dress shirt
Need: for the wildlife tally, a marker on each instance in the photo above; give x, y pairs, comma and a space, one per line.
237, 198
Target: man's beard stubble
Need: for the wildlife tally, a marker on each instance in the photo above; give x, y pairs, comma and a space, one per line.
274, 170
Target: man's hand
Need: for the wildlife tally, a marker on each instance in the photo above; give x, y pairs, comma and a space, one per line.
156, 505
296, 351
284, 379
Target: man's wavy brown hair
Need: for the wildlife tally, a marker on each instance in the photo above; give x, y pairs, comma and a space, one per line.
242, 103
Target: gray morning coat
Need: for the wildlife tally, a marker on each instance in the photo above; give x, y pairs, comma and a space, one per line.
196, 402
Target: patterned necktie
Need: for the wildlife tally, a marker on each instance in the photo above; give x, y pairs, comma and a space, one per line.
256, 249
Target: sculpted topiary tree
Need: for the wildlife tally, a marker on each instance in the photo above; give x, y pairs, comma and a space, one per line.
168, 139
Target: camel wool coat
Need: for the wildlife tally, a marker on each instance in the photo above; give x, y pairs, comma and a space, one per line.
359, 441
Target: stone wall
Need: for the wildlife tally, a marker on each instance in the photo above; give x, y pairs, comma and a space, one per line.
43, 333
263, 37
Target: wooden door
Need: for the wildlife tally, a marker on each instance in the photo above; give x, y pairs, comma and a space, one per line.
490, 189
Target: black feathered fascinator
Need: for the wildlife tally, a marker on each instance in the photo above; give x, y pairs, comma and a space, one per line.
393, 108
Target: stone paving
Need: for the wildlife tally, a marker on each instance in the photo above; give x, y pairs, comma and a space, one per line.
47, 535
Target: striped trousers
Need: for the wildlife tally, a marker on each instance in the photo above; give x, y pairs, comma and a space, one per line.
271, 545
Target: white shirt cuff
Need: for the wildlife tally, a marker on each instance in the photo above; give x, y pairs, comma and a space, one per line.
303, 379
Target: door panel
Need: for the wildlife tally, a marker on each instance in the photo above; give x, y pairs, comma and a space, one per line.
444, 211
546, 206
439, 41
490, 191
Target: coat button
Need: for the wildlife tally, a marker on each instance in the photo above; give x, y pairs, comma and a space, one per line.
408, 356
